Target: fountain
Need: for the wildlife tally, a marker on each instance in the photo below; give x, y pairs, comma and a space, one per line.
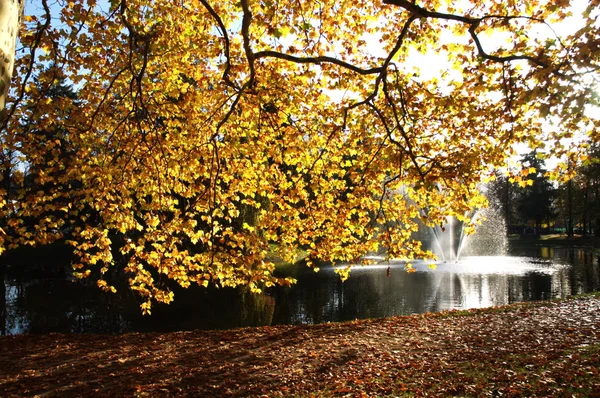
450, 241
490, 237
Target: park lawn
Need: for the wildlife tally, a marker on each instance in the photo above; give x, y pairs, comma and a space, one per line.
548, 348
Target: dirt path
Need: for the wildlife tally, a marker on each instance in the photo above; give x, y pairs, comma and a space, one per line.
539, 349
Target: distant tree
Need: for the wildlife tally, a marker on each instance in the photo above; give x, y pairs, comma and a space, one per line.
591, 177
578, 200
535, 201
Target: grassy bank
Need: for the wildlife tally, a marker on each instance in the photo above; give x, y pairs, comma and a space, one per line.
530, 349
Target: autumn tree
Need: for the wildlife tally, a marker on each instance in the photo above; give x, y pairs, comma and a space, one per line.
208, 132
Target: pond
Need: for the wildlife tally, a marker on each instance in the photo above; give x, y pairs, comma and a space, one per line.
55, 303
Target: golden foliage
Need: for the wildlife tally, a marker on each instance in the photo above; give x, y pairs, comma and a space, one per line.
206, 132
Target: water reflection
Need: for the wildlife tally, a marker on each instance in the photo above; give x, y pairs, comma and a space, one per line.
472, 283
63, 305
57, 304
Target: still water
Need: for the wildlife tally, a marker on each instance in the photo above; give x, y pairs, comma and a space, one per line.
55, 303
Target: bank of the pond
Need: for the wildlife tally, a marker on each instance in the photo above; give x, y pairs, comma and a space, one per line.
589, 241
530, 349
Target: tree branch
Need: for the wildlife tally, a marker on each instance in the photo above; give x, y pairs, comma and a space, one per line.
246, 20
316, 60
503, 59
219, 21
473, 23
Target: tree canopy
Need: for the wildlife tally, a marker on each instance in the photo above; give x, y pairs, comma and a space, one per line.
205, 134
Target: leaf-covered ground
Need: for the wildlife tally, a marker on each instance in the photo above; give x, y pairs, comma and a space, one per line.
534, 349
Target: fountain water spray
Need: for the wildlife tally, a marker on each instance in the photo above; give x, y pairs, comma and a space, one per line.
450, 240
490, 237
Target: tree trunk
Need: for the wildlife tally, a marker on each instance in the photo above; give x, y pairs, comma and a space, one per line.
3, 306
584, 216
10, 19
507, 209
570, 208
